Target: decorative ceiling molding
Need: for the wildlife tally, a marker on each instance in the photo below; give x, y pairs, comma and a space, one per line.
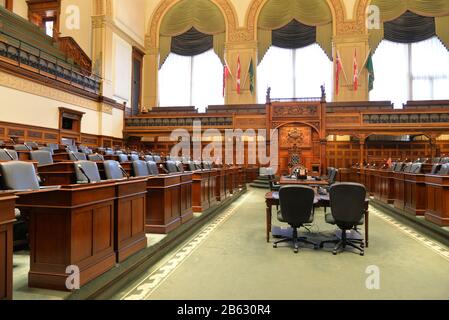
225, 6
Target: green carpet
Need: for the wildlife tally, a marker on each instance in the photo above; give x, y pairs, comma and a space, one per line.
230, 259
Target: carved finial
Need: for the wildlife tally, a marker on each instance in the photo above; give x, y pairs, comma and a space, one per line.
269, 95
323, 93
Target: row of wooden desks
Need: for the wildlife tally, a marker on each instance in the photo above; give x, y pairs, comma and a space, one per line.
417, 194
7, 219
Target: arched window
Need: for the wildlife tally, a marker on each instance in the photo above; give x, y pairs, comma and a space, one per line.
412, 60
295, 49
191, 81
192, 38
294, 73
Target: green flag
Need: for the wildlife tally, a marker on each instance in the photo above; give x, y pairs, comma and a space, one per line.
251, 76
370, 68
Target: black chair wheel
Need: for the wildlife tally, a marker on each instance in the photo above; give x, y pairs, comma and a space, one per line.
334, 253
296, 250
362, 253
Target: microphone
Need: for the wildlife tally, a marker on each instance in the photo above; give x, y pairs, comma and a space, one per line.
124, 171
84, 173
163, 168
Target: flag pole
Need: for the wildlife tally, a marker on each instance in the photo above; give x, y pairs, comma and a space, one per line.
364, 63
342, 67
247, 73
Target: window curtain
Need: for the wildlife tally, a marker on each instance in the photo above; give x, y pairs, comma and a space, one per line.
294, 35
393, 9
417, 71
294, 73
410, 28
191, 81
191, 43
203, 15
277, 13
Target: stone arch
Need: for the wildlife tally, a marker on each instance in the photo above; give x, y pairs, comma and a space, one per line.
152, 36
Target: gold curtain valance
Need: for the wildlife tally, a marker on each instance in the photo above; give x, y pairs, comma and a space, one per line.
277, 13
203, 15
393, 9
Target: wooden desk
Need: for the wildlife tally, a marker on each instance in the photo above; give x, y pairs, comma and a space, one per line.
169, 202
129, 217
415, 194
72, 226
7, 219
220, 185
399, 190
437, 210
309, 182
203, 190
271, 201
251, 174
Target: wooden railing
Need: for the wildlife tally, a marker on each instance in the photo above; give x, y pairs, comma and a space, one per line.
73, 51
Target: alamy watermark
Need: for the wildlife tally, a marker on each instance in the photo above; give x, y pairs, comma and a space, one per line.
73, 280
373, 280
210, 145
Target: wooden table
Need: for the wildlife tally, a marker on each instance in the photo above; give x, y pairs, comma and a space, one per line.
309, 182
7, 219
271, 200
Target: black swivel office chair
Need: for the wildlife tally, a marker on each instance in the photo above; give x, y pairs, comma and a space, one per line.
95, 157
18, 175
87, 172
140, 168
152, 168
296, 210
113, 170
42, 157
347, 212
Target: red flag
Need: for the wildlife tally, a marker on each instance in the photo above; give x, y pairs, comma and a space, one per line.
239, 71
337, 76
356, 72
226, 74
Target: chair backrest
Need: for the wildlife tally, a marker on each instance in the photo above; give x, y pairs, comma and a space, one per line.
112, 170
171, 166
8, 155
333, 176
109, 152
140, 168
407, 167
191, 166
435, 169
207, 165
71, 148
444, 160
32, 145
77, 156
152, 168
416, 168
48, 149
347, 202
296, 204
122, 158
179, 166
149, 158
42, 156
86, 171
399, 167
95, 157
157, 159
53, 146
21, 147
133, 157
436, 160
18, 175
444, 169
197, 165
